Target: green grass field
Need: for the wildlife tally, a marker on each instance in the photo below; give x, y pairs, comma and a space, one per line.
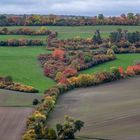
81, 31
123, 60
23, 66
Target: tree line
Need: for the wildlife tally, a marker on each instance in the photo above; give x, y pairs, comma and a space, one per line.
40, 20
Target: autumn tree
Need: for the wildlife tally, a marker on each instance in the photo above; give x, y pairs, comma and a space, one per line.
58, 54
97, 37
69, 128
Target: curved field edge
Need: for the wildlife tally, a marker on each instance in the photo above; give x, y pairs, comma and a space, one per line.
110, 111
13, 122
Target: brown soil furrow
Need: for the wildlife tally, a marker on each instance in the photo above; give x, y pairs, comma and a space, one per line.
13, 122
110, 111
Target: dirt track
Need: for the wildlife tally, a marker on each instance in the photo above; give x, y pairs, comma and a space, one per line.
110, 111
13, 122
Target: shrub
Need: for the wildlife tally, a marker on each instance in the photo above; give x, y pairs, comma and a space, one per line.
121, 70
116, 73
59, 76
29, 135
69, 128
68, 72
110, 52
136, 69
115, 48
35, 101
58, 54
130, 71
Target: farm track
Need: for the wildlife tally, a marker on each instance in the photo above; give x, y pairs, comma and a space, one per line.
13, 122
110, 111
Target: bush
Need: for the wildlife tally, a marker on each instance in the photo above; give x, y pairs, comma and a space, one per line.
115, 48
130, 71
69, 128
35, 101
58, 54
110, 52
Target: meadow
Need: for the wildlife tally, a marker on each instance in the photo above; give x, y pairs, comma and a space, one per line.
22, 64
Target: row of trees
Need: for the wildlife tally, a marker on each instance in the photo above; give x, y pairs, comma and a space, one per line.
117, 36
123, 19
21, 42
25, 31
120, 34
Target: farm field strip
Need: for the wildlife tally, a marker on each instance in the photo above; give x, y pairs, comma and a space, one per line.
110, 111
13, 122
17, 99
106, 28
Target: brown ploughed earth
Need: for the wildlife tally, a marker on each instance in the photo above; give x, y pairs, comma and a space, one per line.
13, 122
17, 99
110, 111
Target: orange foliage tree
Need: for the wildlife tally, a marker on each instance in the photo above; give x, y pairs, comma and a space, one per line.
59, 54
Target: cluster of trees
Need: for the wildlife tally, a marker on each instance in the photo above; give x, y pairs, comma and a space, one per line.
37, 20
97, 37
63, 64
69, 128
25, 31
70, 44
120, 34
21, 42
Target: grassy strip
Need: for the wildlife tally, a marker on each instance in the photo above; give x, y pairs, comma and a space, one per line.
65, 32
